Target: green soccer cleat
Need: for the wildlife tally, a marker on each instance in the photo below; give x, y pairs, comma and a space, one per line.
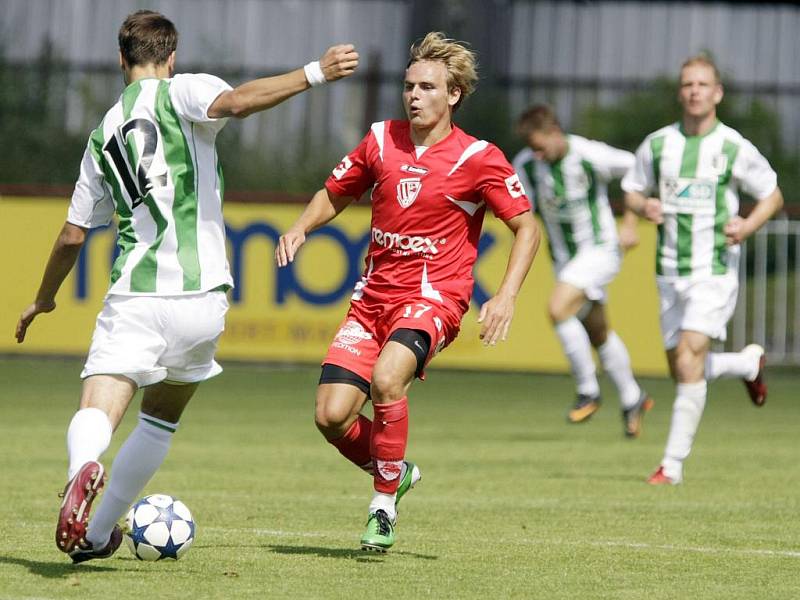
410, 478
379, 536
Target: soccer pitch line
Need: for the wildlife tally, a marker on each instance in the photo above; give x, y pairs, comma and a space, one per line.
697, 549
592, 543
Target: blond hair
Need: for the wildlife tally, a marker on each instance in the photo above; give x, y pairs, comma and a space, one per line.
459, 61
705, 60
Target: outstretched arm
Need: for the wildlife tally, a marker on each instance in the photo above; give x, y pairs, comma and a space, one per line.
323, 207
261, 94
62, 258
497, 312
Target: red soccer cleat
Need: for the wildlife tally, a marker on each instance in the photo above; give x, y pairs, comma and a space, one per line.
78, 496
661, 478
757, 389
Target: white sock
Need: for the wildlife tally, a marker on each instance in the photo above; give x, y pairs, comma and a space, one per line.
617, 363
576, 345
135, 464
686, 412
731, 364
88, 436
384, 502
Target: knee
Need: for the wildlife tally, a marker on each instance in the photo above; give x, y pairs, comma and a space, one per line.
689, 366
331, 419
386, 387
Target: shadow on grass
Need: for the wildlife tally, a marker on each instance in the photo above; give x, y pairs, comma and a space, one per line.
347, 553
53, 570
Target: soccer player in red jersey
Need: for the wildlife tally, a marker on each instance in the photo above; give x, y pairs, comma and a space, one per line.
431, 186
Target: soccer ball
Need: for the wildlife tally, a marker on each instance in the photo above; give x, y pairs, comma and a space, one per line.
159, 526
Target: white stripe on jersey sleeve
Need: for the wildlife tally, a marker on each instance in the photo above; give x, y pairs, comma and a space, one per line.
378, 132
473, 148
468, 207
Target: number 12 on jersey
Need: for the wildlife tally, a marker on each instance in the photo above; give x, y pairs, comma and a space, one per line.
121, 148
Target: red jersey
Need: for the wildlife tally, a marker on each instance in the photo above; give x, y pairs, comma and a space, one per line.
427, 209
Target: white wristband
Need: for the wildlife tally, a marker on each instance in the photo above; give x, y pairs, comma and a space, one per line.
314, 74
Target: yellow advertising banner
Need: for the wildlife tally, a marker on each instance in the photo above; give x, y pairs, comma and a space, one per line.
292, 314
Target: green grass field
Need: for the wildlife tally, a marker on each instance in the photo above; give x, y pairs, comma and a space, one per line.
514, 503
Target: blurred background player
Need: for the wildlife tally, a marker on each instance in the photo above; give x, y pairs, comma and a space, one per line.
153, 161
432, 184
687, 179
566, 177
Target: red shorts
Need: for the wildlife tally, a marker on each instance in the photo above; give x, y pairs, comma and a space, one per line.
368, 326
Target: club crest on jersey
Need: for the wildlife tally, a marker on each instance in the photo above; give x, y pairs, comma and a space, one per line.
514, 186
413, 169
342, 167
408, 190
720, 164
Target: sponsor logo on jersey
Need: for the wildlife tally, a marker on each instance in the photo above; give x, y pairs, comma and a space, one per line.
684, 195
342, 167
697, 190
413, 169
408, 243
407, 191
514, 186
352, 332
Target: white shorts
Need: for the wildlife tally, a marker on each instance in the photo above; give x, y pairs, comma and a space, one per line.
591, 270
702, 305
155, 338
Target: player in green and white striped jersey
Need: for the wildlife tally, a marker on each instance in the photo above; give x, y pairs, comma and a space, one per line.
566, 178
153, 163
687, 179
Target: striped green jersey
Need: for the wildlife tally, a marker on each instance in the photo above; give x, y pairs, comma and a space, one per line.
571, 195
152, 162
698, 178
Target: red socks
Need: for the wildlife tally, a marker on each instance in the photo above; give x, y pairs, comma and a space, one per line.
388, 444
382, 443
354, 444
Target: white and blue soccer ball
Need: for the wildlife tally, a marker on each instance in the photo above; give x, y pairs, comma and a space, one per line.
159, 527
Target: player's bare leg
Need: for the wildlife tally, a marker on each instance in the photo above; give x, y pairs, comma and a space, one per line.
565, 303
104, 399
338, 417
337, 408
392, 376
686, 363
139, 457
616, 362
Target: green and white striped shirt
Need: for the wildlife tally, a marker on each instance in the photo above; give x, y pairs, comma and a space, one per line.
153, 162
571, 195
698, 178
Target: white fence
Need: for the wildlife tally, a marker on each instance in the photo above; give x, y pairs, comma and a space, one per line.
768, 309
